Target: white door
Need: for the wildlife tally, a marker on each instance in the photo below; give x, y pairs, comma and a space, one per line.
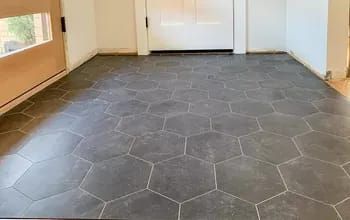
190, 24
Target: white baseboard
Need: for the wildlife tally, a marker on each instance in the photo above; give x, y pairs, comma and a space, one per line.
31, 92
72, 66
117, 51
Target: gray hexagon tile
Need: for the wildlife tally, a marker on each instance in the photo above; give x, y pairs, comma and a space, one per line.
235, 125
316, 84
269, 147
104, 146
332, 106
223, 76
190, 95
20, 107
77, 84
143, 205
253, 180
242, 84
109, 84
293, 107
47, 94
158, 146
187, 124
253, 76
138, 125
142, 85
207, 84
289, 206
61, 174
81, 95
284, 75
266, 95
130, 77
118, 95
127, 108
12, 203
188, 75
209, 108
287, 125
48, 146
162, 76
276, 84
168, 108
344, 209
347, 168
94, 124
175, 84
213, 147
227, 95
217, 205
325, 147
234, 69
303, 94
117, 177
13, 122
45, 108
331, 124
12, 142
11, 169
86, 108
318, 180
251, 108
157, 95
72, 203
182, 178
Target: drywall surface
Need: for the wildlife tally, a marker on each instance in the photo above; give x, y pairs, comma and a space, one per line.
266, 22
307, 23
81, 43
115, 20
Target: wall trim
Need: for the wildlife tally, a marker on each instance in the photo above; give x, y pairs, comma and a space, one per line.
308, 66
81, 61
240, 27
32, 92
117, 51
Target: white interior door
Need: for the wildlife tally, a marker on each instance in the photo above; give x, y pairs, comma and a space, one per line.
190, 24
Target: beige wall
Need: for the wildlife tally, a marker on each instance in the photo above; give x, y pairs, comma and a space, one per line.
81, 42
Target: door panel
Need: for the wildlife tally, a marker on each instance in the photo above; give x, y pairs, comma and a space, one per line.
190, 24
31, 50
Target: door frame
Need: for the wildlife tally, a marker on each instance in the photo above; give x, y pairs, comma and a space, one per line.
240, 26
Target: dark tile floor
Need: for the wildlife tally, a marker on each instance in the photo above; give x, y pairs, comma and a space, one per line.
179, 137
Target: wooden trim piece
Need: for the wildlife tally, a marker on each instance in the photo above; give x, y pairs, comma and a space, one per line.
141, 29
31, 92
108, 51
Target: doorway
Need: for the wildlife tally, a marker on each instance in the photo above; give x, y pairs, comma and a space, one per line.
31, 46
190, 25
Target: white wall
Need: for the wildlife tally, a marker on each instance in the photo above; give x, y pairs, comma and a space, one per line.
266, 25
81, 43
115, 20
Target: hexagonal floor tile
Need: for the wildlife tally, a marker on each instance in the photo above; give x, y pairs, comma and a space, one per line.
188, 75
315, 84
11, 169
223, 76
13, 122
253, 180
61, 175
252, 108
347, 168
331, 124
284, 75
94, 124
175, 84
303, 94
322, 181
217, 205
332, 106
190, 95
283, 124
12, 203
234, 69
269, 147
47, 94
209, 108
169, 107
130, 77
207, 84
276, 84
45, 108
187, 124
213, 147
289, 206
12, 142
142, 85
182, 178
325, 147
344, 209
157, 95
82, 95
293, 107
127, 108
253, 76
48, 146
86, 108
234, 125
138, 125
104, 146
266, 95
77, 85
227, 95
118, 95
117, 177
71, 204
242, 84
162, 76
158, 146
142, 205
